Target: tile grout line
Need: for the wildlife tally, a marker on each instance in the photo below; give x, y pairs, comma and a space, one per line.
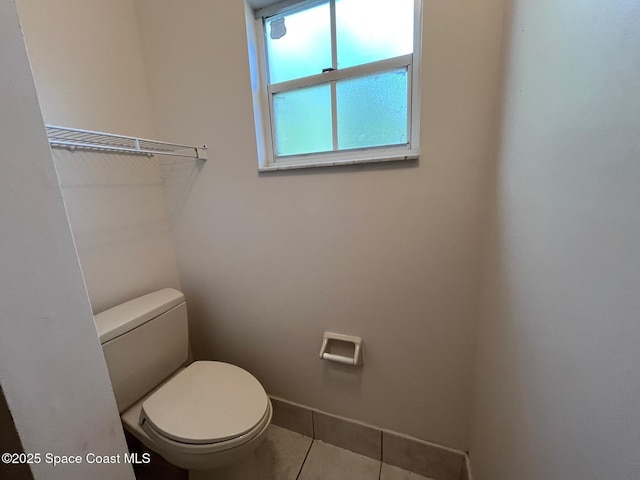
421, 447
305, 458
313, 439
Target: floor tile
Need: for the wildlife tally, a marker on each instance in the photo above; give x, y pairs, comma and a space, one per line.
421, 457
281, 455
327, 462
389, 472
244, 469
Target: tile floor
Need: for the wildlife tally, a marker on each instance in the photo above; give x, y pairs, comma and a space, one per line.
287, 455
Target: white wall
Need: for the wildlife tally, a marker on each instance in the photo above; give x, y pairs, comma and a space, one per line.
117, 210
388, 252
87, 63
51, 366
557, 391
391, 253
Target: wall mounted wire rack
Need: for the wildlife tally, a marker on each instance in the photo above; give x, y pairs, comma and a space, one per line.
72, 138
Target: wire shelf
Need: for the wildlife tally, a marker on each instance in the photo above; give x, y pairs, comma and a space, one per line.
72, 138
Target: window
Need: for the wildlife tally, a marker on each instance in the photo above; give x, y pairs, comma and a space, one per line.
336, 82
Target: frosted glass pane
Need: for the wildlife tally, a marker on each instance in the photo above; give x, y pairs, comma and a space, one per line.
302, 121
372, 110
371, 30
298, 43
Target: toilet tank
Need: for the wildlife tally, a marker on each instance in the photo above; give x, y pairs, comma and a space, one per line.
144, 341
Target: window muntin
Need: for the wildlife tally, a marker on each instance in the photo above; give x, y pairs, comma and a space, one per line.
367, 73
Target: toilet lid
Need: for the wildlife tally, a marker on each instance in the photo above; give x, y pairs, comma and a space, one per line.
207, 402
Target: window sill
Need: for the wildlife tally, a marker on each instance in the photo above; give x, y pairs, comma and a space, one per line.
335, 162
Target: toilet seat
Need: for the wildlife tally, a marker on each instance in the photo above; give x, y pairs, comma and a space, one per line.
207, 407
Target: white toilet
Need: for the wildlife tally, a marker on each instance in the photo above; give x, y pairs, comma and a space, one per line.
199, 417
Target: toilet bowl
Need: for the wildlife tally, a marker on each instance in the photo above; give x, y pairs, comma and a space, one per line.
202, 415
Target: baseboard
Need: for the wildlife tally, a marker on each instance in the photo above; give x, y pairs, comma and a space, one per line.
415, 455
466, 472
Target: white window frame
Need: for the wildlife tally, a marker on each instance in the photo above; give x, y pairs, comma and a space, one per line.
262, 94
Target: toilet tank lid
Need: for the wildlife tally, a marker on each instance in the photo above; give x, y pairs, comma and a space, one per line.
122, 318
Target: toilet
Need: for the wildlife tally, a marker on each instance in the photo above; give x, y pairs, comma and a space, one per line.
199, 416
